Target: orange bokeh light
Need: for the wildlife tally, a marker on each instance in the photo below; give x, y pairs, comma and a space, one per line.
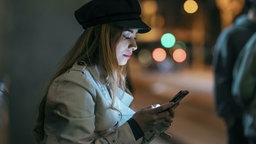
179, 55
159, 54
190, 6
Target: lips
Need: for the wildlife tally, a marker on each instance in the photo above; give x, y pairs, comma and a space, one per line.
127, 55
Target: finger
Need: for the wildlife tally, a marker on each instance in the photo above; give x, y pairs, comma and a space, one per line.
147, 107
171, 112
166, 121
169, 119
163, 122
151, 106
163, 114
166, 124
163, 107
160, 121
155, 105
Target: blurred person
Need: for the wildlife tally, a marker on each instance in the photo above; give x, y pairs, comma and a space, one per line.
244, 87
4, 113
87, 100
227, 48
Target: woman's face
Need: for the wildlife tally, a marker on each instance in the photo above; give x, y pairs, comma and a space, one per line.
125, 46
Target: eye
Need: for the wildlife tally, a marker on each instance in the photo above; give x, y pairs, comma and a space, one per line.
126, 36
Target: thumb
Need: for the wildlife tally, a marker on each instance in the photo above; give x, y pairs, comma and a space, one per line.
164, 107
151, 106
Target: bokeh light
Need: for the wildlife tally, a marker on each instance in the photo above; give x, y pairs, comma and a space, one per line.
144, 57
149, 7
168, 40
159, 54
157, 21
190, 6
179, 55
180, 44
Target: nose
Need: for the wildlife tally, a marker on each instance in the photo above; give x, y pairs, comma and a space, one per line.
133, 45
134, 48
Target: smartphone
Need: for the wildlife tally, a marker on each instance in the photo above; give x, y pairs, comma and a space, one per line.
179, 96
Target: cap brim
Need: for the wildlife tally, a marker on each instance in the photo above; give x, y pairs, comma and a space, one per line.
138, 24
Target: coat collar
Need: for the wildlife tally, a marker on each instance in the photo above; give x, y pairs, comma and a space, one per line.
96, 72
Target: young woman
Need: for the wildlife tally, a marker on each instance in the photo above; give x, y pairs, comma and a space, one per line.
87, 100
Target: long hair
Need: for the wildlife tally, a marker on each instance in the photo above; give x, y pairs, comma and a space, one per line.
96, 46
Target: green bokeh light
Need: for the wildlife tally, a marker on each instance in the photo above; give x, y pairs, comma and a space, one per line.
180, 44
168, 40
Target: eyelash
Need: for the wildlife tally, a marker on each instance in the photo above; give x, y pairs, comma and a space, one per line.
128, 37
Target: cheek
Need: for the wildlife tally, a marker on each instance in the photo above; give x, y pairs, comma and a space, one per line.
120, 48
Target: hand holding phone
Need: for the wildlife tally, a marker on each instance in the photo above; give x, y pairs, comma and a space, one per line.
178, 97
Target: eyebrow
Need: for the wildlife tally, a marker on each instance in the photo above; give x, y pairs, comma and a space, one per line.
129, 30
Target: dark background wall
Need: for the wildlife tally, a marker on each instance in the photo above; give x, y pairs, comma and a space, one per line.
1, 34
35, 36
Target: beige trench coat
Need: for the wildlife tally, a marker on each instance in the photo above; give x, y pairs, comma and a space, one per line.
77, 111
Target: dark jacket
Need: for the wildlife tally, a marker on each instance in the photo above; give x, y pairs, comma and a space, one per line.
244, 85
227, 48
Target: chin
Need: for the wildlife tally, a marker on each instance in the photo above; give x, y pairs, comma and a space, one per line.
122, 63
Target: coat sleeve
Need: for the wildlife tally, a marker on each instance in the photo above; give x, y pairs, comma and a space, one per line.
70, 116
245, 74
223, 68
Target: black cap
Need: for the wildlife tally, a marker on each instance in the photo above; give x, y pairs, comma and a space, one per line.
123, 13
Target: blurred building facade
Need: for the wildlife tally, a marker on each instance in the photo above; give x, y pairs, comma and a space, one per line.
199, 30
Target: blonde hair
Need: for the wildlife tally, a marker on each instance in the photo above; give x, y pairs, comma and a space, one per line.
96, 46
